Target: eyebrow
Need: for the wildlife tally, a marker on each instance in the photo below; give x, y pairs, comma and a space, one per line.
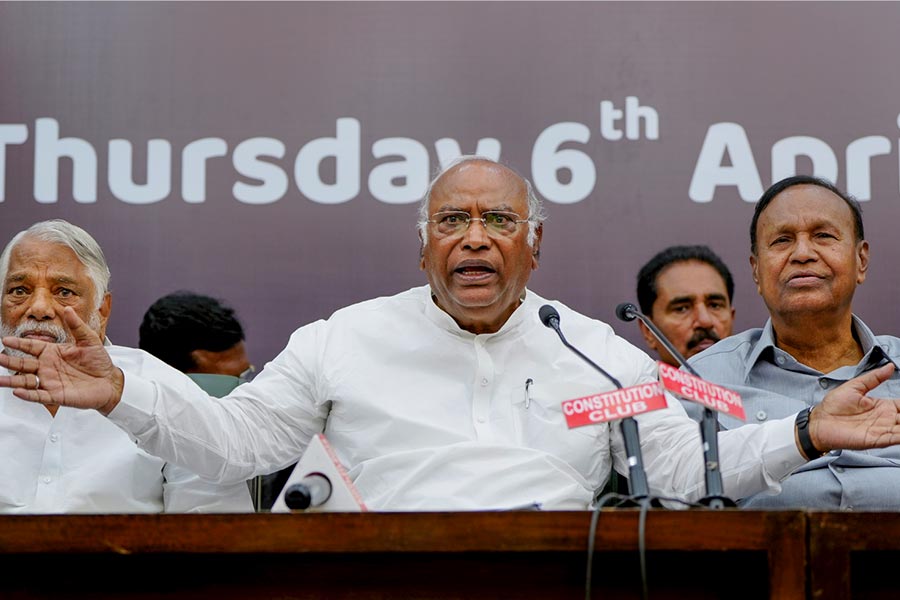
692, 299
451, 208
63, 279
814, 226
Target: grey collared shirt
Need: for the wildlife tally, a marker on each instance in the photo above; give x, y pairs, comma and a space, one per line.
773, 385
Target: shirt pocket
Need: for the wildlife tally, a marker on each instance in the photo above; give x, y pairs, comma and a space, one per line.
540, 424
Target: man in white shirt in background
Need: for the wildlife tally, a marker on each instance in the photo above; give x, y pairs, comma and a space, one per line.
446, 396
63, 460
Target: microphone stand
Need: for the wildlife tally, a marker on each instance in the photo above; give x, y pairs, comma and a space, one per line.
637, 477
709, 431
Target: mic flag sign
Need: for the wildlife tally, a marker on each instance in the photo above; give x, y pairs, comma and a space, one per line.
686, 386
615, 405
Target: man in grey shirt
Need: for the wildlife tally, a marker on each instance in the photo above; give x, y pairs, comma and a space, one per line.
808, 254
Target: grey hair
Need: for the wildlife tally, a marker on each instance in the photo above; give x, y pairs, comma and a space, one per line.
536, 214
78, 240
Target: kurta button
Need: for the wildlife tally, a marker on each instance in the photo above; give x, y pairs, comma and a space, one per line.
839, 469
761, 415
484, 381
54, 437
47, 480
823, 383
481, 419
780, 360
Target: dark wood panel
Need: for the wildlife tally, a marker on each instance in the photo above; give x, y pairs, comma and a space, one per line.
402, 555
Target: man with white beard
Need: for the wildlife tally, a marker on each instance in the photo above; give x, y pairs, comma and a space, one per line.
63, 460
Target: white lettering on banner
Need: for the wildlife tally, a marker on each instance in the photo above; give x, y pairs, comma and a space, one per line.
547, 160
562, 172
193, 167
9, 134
48, 149
859, 163
730, 141
385, 179
159, 172
562, 175
633, 113
725, 139
344, 147
273, 181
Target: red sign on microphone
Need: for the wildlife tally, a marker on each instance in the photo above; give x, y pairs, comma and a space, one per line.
611, 406
684, 385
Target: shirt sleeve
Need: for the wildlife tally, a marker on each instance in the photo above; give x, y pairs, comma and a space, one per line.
753, 458
259, 428
185, 492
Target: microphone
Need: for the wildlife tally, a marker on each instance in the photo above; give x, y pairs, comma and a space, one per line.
311, 491
637, 478
715, 491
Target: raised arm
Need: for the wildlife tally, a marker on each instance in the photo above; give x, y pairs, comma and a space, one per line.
79, 375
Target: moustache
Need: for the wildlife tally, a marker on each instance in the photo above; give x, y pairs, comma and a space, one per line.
701, 335
59, 335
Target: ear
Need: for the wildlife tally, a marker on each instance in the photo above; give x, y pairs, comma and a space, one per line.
103, 311
649, 338
421, 252
754, 271
203, 360
536, 248
862, 255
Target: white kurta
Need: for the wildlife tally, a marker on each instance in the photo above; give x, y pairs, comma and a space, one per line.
80, 462
427, 416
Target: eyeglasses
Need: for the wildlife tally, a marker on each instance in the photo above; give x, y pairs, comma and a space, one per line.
496, 223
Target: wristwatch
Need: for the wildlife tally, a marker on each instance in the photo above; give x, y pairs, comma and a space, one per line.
806, 444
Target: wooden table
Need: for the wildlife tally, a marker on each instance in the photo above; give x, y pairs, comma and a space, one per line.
854, 555
691, 554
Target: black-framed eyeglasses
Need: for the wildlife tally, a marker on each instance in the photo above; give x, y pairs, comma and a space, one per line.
497, 223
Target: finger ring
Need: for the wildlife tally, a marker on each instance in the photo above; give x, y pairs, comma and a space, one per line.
37, 382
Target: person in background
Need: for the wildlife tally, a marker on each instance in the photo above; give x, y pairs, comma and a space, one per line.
687, 291
196, 334
63, 460
202, 337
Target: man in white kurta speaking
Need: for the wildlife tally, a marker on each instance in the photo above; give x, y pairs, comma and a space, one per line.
60, 459
445, 396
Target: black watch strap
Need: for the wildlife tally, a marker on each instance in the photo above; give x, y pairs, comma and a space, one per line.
806, 444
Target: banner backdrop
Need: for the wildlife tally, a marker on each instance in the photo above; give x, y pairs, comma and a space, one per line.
272, 154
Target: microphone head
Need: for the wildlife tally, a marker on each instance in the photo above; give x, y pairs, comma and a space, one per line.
548, 314
626, 311
298, 497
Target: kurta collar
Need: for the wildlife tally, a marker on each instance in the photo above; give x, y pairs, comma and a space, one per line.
443, 320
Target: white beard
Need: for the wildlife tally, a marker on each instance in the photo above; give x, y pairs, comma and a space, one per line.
61, 335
